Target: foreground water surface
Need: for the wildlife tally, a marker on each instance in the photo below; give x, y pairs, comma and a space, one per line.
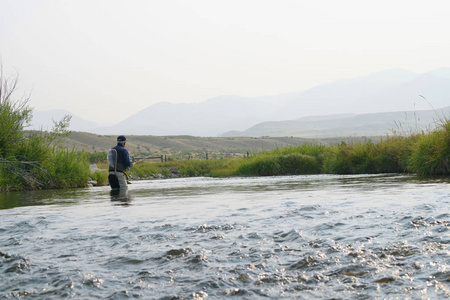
303, 237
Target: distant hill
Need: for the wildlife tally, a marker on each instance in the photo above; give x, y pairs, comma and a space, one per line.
395, 90
376, 124
208, 118
354, 95
168, 144
44, 120
387, 91
189, 146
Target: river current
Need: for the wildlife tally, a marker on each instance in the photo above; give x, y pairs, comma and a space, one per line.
302, 237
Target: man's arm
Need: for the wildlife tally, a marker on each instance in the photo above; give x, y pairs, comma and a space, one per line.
128, 163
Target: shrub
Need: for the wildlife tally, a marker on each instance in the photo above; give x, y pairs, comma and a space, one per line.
337, 162
68, 169
144, 169
96, 157
100, 176
34, 160
431, 153
270, 164
391, 154
297, 163
15, 114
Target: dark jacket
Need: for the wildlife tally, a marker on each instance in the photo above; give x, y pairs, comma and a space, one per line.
123, 159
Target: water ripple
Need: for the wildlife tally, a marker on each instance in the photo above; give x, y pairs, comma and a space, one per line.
358, 237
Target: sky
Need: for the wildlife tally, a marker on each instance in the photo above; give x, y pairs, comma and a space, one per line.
105, 60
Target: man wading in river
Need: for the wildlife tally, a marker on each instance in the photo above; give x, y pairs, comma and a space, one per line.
119, 161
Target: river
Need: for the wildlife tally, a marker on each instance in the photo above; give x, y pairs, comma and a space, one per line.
302, 237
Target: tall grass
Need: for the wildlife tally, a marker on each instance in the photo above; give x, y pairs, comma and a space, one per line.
288, 164
68, 168
101, 177
419, 153
304, 159
431, 153
387, 156
38, 165
145, 170
34, 160
188, 168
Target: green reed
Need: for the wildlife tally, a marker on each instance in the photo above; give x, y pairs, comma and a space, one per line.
188, 168
419, 153
431, 152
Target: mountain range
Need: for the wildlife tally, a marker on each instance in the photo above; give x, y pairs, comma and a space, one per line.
358, 125
343, 106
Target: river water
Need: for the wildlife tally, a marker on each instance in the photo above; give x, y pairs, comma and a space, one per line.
302, 237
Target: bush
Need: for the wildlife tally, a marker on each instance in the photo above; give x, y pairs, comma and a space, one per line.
431, 153
144, 170
34, 160
269, 165
388, 156
261, 165
68, 169
391, 155
100, 176
338, 160
96, 157
15, 114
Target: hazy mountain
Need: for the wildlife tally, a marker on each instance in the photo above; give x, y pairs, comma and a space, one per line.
208, 118
353, 95
44, 120
391, 90
375, 124
387, 91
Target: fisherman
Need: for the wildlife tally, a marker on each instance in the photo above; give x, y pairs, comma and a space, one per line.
119, 161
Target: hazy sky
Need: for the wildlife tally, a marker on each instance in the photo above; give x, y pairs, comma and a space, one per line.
107, 59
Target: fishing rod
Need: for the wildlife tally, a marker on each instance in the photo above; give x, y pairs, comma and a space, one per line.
152, 156
135, 162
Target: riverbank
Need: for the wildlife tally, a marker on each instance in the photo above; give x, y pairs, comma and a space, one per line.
424, 153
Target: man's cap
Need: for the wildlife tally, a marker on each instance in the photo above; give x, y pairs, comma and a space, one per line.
121, 138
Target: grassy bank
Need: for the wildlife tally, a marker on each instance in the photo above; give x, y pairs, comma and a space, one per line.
420, 153
34, 160
38, 162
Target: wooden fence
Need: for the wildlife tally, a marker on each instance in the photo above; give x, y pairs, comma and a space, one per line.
162, 157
